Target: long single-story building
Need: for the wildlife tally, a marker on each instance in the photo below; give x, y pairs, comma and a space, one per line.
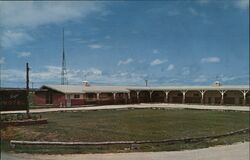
77, 95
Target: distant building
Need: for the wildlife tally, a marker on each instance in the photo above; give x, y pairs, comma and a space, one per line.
76, 95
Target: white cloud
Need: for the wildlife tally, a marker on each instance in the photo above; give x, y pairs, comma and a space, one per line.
52, 75
2, 60
185, 71
200, 78
242, 4
24, 54
121, 78
225, 78
30, 14
11, 38
193, 11
157, 62
107, 37
210, 60
13, 75
155, 51
170, 67
92, 72
33, 14
125, 62
95, 46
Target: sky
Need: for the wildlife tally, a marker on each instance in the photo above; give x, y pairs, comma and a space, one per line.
193, 42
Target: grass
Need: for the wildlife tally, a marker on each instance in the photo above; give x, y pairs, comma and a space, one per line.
138, 124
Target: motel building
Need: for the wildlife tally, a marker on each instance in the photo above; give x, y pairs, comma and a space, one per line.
86, 94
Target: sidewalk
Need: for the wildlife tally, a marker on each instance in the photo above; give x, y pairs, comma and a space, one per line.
143, 105
239, 151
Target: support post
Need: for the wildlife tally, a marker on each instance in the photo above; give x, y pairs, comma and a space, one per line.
98, 97
184, 96
68, 100
166, 98
137, 96
129, 97
150, 95
202, 96
244, 96
114, 97
222, 96
244, 99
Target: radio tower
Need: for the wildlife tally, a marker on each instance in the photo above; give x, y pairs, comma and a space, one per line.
64, 70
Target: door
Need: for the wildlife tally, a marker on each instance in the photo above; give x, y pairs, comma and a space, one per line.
49, 98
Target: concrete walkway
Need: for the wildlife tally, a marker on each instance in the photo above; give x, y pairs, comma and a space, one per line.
238, 151
143, 105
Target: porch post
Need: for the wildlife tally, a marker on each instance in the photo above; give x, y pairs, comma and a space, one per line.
202, 96
138, 97
98, 97
114, 97
150, 95
244, 96
129, 97
222, 96
166, 98
184, 96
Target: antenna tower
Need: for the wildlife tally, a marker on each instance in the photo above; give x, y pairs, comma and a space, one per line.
64, 70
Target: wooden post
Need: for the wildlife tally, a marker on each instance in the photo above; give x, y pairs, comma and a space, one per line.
150, 95
184, 96
114, 97
202, 96
166, 98
129, 97
138, 97
244, 97
98, 97
222, 96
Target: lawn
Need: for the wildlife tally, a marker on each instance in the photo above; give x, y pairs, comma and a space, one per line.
132, 124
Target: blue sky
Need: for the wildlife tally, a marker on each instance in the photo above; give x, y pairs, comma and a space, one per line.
123, 43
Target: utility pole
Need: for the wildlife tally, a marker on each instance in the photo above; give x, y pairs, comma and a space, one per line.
64, 70
0, 75
27, 88
146, 82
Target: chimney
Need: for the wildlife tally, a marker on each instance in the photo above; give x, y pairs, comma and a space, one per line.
85, 83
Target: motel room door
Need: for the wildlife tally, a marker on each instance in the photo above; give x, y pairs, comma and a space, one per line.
49, 98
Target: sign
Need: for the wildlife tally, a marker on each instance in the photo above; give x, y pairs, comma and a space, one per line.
11, 100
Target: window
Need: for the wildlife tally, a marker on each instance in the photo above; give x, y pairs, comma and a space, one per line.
76, 95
